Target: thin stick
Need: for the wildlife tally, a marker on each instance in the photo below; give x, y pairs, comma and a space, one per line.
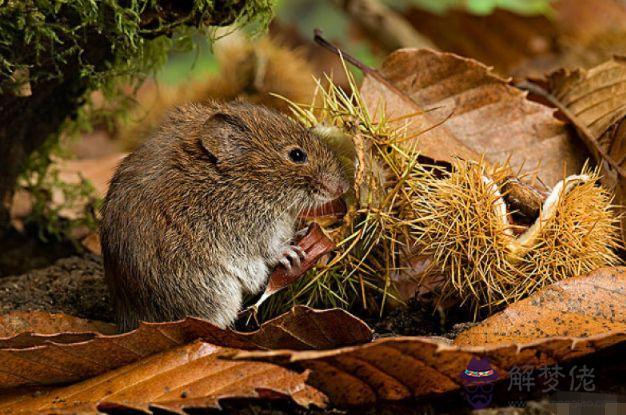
319, 39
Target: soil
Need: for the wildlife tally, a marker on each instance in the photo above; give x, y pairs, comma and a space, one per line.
415, 320
72, 285
76, 286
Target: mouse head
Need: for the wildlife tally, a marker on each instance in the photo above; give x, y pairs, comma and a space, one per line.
273, 152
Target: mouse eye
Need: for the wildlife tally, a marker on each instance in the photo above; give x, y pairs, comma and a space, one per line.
297, 155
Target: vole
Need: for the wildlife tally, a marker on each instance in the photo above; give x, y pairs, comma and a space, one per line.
199, 214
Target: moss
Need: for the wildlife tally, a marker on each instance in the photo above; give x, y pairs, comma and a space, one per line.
87, 45
42, 36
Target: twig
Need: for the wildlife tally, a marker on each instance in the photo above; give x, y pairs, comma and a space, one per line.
319, 39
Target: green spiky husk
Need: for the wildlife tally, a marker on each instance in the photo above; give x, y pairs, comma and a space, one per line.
401, 207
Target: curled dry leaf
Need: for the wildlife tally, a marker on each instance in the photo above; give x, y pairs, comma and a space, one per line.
594, 101
571, 319
40, 322
30, 328
582, 306
314, 244
186, 377
410, 367
456, 108
40, 360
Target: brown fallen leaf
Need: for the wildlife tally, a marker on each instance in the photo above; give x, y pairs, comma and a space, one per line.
617, 136
411, 367
315, 244
526, 37
177, 380
39, 359
594, 101
456, 108
40, 322
577, 34
573, 318
28, 328
581, 307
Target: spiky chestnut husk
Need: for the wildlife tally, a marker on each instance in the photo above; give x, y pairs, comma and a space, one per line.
463, 222
357, 275
397, 206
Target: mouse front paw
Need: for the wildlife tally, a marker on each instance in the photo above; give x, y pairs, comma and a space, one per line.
292, 259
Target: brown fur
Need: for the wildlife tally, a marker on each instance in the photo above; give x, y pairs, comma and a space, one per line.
199, 214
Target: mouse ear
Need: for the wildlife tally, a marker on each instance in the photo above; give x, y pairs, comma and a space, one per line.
222, 134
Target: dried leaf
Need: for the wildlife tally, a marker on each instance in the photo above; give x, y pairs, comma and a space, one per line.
40, 360
410, 367
189, 376
581, 307
31, 328
315, 244
527, 37
616, 135
573, 318
471, 112
594, 101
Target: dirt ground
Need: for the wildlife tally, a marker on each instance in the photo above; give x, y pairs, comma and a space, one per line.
72, 285
76, 286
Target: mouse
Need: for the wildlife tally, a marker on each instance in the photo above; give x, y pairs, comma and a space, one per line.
198, 216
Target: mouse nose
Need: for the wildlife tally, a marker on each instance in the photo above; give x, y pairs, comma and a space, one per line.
343, 186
